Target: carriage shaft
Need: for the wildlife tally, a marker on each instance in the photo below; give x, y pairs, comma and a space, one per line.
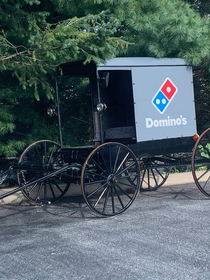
48, 176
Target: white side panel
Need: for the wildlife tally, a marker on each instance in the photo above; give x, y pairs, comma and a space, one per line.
164, 102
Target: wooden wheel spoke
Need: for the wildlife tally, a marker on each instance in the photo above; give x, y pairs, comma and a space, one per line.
128, 185
203, 174
33, 158
100, 197
29, 191
38, 192
143, 177
27, 181
206, 183
159, 173
104, 161
45, 152
51, 154
38, 154
95, 163
116, 159
128, 176
118, 197
106, 200
104, 171
95, 174
45, 191
110, 160
122, 163
57, 186
154, 177
148, 178
52, 191
96, 190
125, 169
95, 182
123, 191
113, 206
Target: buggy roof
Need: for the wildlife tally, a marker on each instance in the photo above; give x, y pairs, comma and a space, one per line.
142, 61
78, 68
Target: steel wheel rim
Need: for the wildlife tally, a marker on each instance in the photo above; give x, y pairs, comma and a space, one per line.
110, 179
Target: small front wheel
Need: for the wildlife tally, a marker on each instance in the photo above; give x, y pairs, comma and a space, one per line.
110, 179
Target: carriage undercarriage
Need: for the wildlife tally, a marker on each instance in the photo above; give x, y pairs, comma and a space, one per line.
110, 175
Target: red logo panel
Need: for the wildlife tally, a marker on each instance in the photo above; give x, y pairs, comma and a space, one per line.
169, 89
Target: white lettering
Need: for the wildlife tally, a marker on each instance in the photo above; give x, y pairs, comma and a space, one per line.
149, 123
163, 122
156, 123
166, 122
178, 121
184, 121
173, 122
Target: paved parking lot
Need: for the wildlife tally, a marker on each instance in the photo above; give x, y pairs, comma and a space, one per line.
163, 235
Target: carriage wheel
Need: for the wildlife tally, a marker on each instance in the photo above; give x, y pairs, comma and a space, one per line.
110, 179
40, 154
153, 175
201, 163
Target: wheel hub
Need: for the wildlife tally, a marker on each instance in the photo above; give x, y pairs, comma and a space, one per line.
111, 179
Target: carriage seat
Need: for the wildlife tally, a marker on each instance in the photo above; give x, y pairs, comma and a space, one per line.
120, 132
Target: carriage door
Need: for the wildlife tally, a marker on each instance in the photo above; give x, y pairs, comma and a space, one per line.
118, 122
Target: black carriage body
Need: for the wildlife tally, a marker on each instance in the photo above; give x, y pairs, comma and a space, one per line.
116, 85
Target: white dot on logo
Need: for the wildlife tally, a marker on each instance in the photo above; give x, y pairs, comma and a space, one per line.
168, 89
157, 101
163, 101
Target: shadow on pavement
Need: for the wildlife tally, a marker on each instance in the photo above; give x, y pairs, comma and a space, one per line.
76, 208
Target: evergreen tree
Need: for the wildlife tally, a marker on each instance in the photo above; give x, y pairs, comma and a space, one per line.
35, 37
202, 74
38, 35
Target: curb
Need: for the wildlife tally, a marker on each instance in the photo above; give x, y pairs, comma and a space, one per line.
17, 198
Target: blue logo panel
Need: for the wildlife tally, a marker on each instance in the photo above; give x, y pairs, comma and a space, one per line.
160, 101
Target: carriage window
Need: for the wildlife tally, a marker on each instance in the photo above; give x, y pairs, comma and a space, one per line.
118, 97
76, 111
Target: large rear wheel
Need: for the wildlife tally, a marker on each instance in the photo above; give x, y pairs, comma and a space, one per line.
110, 179
35, 162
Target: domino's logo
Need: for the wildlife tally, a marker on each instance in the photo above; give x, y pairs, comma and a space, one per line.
164, 95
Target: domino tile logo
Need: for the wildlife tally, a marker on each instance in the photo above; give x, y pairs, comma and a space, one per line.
164, 95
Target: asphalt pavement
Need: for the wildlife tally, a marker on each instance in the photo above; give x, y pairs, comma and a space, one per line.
163, 235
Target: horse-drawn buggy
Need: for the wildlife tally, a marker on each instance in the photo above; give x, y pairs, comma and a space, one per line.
143, 118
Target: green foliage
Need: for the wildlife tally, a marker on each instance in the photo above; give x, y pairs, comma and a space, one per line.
169, 29
204, 150
202, 73
38, 35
